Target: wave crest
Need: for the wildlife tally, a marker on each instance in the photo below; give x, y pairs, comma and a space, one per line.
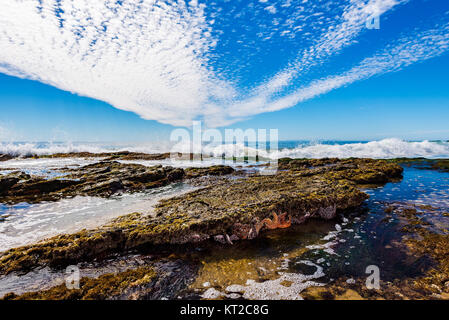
383, 149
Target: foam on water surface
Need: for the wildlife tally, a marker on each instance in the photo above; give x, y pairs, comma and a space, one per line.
287, 287
24, 223
49, 168
386, 148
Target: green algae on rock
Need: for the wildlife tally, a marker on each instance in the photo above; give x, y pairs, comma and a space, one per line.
118, 155
228, 211
101, 179
154, 280
424, 163
109, 286
360, 171
424, 243
216, 170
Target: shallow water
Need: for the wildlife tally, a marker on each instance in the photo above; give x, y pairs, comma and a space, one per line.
280, 264
49, 168
56, 167
25, 223
45, 278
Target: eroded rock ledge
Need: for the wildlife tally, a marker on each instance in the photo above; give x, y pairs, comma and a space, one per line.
101, 179
108, 156
227, 211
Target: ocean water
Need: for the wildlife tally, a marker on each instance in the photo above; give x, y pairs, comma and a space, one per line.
386, 148
306, 255
226, 154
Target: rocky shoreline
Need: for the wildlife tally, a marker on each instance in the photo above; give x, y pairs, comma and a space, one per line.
228, 211
107, 156
237, 207
101, 179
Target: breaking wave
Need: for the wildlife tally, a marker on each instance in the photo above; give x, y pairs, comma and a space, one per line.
387, 148
383, 149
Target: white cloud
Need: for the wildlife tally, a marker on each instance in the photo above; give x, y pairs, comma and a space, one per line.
338, 36
271, 9
148, 58
152, 57
414, 48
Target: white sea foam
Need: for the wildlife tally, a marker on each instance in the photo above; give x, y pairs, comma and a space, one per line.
387, 148
28, 148
29, 223
275, 289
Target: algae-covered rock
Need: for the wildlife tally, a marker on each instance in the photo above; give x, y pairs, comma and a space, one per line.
11, 179
441, 164
5, 157
424, 163
101, 179
119, 155
360, 171
6, 183
162, 280
232, 210
108, 286
212, 170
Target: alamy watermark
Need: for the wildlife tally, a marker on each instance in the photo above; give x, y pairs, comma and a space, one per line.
236, 144
373, 280
72, 279
373, 21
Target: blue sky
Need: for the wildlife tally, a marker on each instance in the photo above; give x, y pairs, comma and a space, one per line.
70, 72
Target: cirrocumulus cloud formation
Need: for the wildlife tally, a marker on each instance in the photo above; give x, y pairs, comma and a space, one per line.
175, 61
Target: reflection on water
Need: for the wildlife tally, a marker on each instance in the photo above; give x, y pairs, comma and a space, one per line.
419, 186
260, 268
283, 263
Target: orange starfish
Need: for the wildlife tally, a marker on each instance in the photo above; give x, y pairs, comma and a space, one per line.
278, 222
283, 223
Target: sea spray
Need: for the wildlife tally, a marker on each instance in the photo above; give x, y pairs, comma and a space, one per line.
387, 148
